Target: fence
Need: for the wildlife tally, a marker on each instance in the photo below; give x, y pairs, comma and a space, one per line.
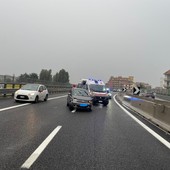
162, 91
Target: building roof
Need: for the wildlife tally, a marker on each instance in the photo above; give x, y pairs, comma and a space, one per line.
167, 72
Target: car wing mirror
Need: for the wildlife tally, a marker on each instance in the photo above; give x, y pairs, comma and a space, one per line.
40, 90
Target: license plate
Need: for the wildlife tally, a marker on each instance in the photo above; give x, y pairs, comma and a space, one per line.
83, 105
22, 97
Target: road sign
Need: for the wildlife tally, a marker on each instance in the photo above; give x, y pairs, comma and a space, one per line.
124, 89
136, 90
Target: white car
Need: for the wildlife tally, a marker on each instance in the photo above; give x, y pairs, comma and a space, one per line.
31, 93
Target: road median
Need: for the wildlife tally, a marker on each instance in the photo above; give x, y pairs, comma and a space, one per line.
156, 111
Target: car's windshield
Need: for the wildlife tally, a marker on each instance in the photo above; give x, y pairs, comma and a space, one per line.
80, 92
31, 87
97, 88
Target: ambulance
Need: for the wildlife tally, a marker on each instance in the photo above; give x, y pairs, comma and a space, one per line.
96, 89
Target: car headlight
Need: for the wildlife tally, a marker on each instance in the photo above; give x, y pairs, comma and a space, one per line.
75, 100
16, 93
31, 94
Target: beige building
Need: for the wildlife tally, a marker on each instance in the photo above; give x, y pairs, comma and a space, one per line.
120, 82
167, 79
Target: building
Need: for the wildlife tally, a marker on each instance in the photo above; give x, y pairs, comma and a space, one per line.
120, 82
167, 79
162, 82
144, 86
7, 78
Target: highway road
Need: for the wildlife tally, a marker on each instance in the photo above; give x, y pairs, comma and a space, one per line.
48, 136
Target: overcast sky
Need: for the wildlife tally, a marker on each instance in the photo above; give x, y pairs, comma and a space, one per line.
87, 38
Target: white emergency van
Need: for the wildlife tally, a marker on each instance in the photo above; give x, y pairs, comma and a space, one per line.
96, 89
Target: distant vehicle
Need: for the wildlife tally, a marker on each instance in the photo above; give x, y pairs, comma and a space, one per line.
109, 93
149, 94
31, 93
96, 89
79, 98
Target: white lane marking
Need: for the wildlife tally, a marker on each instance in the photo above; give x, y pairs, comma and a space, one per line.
27, 164
73, 111
12, 107
21, 105
157, 136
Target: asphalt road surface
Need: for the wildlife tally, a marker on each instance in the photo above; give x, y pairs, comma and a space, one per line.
48, 136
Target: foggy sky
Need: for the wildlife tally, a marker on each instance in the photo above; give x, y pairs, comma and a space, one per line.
87, 38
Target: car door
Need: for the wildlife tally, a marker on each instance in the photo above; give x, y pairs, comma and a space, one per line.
41, 93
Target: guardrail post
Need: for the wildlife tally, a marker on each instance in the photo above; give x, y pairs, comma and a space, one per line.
13, 86
4, 88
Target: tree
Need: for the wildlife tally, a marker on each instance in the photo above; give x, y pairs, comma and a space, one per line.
55, 77
63, 76
23, 78
8, 80
33, 77
45, 75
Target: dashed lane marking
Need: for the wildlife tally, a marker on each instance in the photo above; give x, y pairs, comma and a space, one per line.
27, 164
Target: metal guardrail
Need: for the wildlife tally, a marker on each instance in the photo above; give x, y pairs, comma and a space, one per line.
162, 91
10, 88
4, 92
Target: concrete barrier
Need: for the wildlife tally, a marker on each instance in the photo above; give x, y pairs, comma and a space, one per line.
154, 110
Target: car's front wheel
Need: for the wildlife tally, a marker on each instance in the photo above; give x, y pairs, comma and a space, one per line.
46, 97
71, 107
94, 103
105, 103
36, 99
90, 109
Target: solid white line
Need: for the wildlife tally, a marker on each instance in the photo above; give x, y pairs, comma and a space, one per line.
157, 136
27, 164
161, 99
21, 105
12, 107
